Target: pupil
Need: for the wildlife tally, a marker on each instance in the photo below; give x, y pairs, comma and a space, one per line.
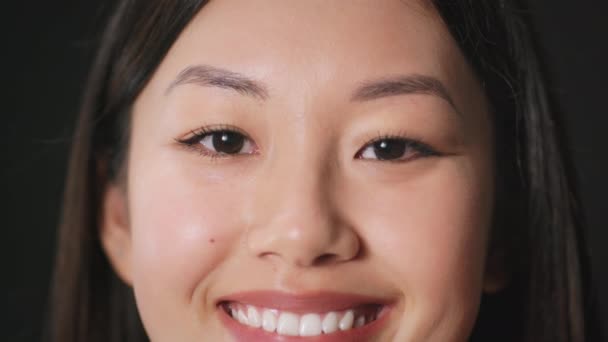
389, 149
228, 142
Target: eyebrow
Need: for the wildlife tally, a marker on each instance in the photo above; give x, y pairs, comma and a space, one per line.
206, 75
402, 85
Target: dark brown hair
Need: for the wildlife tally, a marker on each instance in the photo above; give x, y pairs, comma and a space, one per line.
537, 222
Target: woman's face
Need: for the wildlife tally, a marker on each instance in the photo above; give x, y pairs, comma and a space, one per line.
312, 168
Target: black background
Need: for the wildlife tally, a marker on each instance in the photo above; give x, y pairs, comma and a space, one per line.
47, 47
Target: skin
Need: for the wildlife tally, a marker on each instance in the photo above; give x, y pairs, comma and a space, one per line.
303, 213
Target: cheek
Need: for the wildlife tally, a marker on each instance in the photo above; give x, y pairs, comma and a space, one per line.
182, 229
430, 233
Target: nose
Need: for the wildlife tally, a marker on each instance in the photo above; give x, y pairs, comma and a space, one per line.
297, 222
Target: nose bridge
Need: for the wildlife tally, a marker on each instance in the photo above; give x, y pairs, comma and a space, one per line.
303, 191
301, 180
297, 222
300, 201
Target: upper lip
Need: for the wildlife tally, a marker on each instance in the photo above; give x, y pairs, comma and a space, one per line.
303, 302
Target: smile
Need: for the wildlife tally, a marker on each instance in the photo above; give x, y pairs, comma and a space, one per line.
324, 316
307, 324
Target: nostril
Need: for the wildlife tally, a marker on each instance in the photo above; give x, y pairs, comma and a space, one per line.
325, 259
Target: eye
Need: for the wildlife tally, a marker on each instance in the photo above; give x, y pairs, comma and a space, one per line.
395, 149
219, 142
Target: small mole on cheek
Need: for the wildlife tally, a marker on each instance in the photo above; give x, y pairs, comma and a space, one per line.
212, 240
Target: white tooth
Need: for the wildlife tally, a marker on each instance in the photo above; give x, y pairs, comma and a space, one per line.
242, 317
330, 323
360, 321
233, 313
347, 321
254, 317
288, 324
310, 325
269, 321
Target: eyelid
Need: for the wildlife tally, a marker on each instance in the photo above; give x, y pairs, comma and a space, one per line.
193, 139
194, 136
418, 144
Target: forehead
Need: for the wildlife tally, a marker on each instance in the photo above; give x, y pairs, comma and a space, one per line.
319, 47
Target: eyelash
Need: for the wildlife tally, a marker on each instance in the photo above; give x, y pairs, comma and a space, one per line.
421, 148
193, 141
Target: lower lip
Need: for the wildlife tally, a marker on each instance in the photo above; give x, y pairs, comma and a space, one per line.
243, 333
